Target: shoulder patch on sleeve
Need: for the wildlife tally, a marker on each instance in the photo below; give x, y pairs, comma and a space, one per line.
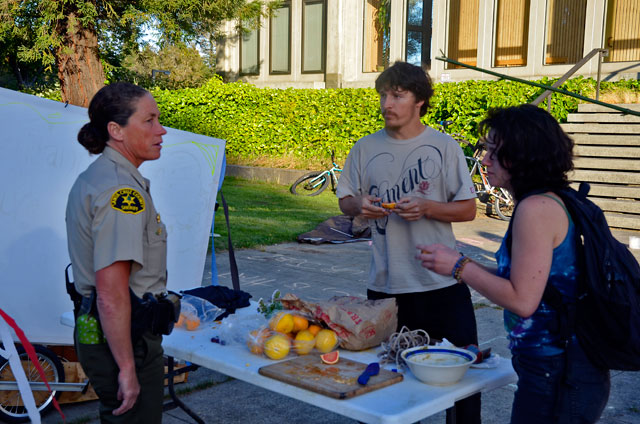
127, 200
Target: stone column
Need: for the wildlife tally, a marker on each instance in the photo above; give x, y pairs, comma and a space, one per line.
334, 47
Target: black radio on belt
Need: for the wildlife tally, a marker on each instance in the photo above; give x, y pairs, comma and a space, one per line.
157, 314
167, 312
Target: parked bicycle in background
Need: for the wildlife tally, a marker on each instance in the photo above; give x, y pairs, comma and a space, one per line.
316, 182
498, 200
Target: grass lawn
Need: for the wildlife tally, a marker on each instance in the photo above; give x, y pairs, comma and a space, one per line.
262, 214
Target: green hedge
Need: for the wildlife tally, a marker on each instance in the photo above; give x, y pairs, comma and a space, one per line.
304, 123
309, 123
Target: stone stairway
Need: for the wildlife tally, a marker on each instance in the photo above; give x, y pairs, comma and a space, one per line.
607, 156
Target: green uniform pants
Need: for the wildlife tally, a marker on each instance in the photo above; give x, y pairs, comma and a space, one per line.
102, 370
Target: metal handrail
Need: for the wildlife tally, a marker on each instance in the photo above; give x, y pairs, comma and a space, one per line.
545, 87
548, 93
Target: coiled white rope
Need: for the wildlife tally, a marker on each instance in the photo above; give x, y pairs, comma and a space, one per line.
397, 342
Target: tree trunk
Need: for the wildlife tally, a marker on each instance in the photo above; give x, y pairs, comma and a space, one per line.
79, 67
13, 62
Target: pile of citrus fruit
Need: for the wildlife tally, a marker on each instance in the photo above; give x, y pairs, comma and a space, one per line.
289, 332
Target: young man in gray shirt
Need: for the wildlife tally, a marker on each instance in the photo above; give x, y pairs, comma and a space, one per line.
421, 178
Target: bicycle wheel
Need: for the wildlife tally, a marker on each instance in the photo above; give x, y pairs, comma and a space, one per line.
503, 205
310, 184
12, 408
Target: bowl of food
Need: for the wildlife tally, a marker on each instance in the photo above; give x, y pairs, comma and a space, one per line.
439, 366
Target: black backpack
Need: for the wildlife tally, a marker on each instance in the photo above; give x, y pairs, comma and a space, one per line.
606, 314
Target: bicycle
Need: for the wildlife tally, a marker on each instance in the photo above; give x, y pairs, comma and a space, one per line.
498, 199
316, 182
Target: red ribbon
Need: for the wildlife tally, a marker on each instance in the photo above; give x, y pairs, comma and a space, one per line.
31, 353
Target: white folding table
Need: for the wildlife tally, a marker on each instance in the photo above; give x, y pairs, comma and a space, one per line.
407, 401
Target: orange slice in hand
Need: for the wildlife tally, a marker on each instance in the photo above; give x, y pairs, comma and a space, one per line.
331, 357
390, 205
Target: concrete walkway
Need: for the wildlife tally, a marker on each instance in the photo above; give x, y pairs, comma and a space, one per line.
318, 272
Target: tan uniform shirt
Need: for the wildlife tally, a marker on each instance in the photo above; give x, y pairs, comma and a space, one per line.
111, 217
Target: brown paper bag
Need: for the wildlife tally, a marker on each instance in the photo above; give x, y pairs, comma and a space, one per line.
358, 322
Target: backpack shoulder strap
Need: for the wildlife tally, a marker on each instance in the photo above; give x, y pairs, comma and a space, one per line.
566, 313
560, 203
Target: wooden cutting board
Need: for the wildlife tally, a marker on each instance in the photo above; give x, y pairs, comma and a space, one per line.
339, 381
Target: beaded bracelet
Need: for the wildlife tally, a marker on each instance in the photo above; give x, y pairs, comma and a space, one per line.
456, 272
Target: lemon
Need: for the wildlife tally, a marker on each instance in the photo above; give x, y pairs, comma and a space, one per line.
326, 340
277, 346
304, 342
299, 323
282, 323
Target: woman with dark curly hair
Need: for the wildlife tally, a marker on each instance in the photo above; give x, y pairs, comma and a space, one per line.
526, 151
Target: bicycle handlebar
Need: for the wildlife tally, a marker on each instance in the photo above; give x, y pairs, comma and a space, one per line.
445, 124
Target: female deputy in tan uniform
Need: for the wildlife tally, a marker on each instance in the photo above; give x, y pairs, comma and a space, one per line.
116, 242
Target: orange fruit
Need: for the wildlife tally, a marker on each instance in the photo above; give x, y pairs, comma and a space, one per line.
256, 339
304, 342
180, 322
314, 329
331, 357
282, 322
277, 346
192, 323
299, 323
390, 205
326, 340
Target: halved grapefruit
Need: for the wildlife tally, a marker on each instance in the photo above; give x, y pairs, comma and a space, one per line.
331, 357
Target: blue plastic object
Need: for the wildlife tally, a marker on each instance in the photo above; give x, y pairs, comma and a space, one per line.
371, 370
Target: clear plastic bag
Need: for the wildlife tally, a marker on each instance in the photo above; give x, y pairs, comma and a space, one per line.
281, 335
197, 313
236, 329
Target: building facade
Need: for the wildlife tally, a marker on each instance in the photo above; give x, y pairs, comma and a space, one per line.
347, 43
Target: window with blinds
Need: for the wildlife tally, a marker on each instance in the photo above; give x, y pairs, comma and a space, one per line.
462, 44
622, 33
511, 33
280, 40
313, 36
565, 31
250, 52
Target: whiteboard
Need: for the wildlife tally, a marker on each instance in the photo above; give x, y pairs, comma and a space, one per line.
40, 159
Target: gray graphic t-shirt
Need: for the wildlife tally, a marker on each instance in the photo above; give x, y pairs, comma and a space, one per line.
430, 166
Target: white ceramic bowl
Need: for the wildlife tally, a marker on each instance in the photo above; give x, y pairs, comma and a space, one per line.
439, 366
